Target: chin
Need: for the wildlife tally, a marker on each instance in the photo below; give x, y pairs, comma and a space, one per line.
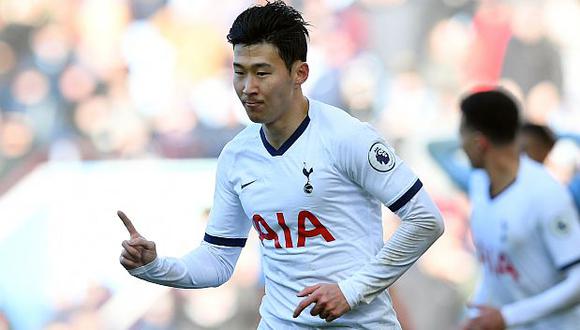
255, 119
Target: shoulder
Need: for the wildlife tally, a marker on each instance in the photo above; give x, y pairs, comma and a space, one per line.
332, 119
241, 140
239, 143
537, 176
541, 184
337, 128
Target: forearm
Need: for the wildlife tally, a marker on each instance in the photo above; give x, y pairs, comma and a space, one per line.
421, 226
561, 296
207, 266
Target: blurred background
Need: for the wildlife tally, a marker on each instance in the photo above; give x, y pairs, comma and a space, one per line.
124, 104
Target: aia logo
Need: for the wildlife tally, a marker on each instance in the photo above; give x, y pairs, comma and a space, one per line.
269, 230
307, 187
498, 263
381, 158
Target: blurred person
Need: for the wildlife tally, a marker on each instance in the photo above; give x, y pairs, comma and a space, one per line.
491, 34
17, 136
535, 141
97, 294
20, 150
362, 84
542, 137
76, 83
150, 59
7, 61
530, 57
312, 179
523, 222
448, 47
341, 43
51, 48
542, 105
29, 88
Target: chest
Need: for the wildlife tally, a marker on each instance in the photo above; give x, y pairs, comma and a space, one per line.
303, 179
505, 225
292, 199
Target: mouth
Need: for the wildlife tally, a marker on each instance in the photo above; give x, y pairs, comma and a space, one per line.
252, 104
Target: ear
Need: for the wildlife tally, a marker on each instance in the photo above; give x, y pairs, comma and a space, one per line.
482, 142
302, 70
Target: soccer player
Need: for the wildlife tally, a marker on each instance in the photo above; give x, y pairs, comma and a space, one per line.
310, 179
524, 225
536, 141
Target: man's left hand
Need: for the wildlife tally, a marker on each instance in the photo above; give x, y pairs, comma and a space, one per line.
489, 318
329, 302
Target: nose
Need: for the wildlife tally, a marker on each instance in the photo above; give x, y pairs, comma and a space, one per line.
250, 85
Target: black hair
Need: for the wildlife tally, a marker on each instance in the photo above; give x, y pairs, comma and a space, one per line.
543, 133
494, 113
275, 23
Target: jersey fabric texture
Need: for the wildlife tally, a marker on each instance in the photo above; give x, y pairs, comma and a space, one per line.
526, 238
316, 205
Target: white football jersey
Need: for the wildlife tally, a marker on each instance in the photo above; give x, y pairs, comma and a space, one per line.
316, 206
525, 238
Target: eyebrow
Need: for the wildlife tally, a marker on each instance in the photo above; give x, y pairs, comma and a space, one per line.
254, 66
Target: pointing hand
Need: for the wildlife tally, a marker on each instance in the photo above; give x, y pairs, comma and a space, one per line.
137, 251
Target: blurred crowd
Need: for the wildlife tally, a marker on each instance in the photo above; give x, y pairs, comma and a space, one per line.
134, 79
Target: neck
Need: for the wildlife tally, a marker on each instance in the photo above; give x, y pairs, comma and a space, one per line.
502, 166
278, 131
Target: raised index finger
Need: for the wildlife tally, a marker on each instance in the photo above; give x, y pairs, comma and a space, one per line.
128, 224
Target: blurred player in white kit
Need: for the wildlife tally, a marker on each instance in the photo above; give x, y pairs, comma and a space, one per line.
524, 225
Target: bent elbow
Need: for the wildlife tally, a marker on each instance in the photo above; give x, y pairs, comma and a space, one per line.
439, 225
226, 277
226, 274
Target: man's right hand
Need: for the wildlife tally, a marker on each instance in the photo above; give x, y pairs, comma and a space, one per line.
137, 251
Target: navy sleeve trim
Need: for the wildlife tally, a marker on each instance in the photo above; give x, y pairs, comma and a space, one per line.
406, 196
570, 264
224, 241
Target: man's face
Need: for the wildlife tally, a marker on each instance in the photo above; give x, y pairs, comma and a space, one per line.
471, 144
262, 82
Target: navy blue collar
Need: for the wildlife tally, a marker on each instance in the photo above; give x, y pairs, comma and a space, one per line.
288, 143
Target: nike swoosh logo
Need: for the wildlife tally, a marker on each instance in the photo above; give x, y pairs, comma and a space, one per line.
247, 184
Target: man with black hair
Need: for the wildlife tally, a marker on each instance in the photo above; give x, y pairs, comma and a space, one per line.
524, 225
311, 180
537, 141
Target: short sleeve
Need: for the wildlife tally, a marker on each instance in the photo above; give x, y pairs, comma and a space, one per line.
561, 230
372, 163
228, 225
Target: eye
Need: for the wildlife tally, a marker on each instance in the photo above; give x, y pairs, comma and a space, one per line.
238, 73
262, 74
